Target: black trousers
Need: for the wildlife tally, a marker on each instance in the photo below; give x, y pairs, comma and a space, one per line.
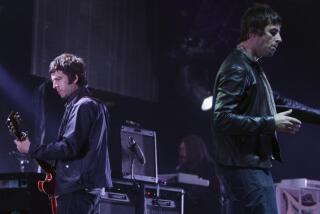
78, 202
247, 191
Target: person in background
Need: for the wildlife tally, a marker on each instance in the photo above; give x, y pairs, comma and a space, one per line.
195, 159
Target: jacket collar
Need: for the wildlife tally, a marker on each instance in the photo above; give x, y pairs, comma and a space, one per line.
243, 53
76, 95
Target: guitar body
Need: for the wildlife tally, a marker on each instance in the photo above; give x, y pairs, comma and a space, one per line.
46, 186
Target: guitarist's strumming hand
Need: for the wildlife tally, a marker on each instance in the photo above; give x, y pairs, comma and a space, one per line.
23, 146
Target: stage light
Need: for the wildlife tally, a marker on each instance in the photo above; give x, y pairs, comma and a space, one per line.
207, 103
201, 96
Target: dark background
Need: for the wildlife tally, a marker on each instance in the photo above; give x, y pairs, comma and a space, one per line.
171, 113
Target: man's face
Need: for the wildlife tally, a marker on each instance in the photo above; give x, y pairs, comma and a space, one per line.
267, 43
182, 153
60, 83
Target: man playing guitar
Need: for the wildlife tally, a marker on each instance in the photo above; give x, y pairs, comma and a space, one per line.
82, 167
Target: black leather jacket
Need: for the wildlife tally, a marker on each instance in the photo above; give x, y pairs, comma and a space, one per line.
243, 126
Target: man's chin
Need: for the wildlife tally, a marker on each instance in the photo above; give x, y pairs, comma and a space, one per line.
272, 51
270, 54
62, 96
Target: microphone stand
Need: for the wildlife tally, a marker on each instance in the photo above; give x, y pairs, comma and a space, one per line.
138, 186
132, 168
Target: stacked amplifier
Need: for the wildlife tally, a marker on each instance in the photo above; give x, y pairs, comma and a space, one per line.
138, 191
141, 198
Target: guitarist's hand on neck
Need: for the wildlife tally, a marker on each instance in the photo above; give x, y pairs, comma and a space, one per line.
23, 146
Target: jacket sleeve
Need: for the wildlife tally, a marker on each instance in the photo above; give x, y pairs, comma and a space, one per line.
73, 142
302, 112
231, 88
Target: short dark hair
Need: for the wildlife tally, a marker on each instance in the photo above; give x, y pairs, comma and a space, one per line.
71, 65
256, 18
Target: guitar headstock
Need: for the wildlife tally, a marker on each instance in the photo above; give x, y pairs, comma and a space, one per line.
13, 122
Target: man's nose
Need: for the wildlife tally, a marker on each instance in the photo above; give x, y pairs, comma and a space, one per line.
278, 38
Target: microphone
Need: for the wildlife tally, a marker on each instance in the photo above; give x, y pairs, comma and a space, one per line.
136, 150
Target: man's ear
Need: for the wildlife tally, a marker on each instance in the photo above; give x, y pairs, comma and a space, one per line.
76, 79
251, 35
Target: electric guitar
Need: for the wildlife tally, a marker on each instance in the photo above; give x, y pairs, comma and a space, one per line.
46, 186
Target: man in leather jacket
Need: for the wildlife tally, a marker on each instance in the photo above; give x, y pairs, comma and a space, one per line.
245, 121
80, 153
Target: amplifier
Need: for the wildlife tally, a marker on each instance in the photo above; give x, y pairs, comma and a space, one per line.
146, 140
163, 200
116, 203
121, 199
140, 198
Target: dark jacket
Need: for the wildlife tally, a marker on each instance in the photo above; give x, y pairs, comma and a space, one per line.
81, 150
243, 125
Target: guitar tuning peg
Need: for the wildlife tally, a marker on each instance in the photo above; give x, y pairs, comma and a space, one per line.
25, 134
